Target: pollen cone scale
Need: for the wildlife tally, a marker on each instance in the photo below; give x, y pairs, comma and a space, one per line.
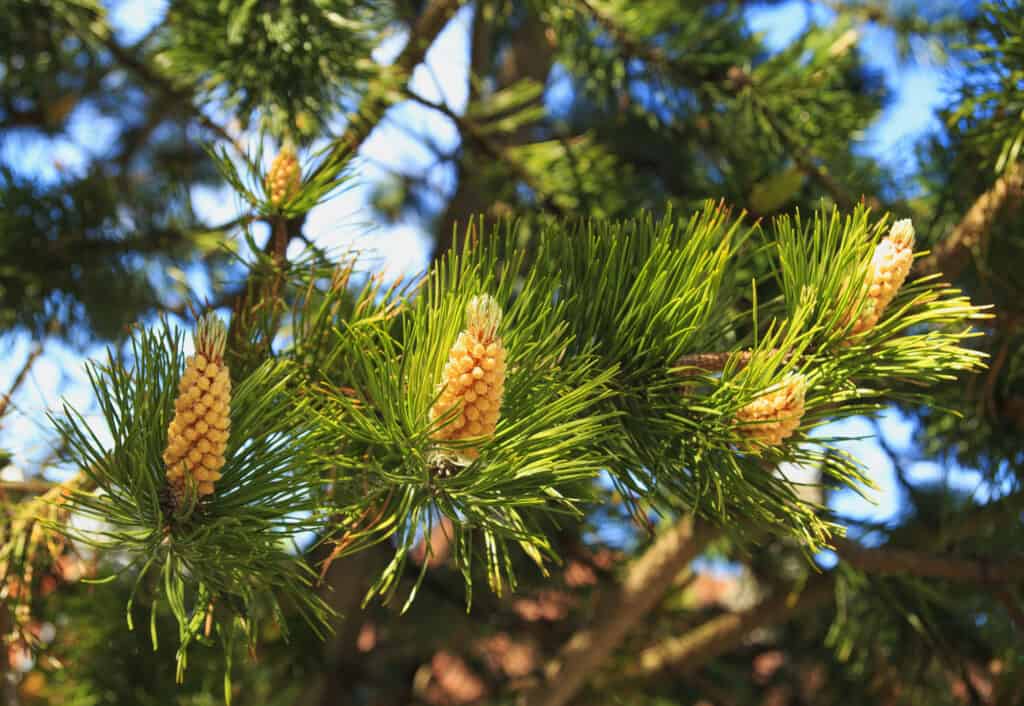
473, 380
197, 436
889, 268
774, 416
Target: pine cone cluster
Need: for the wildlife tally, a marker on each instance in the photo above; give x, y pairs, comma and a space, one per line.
284, 180
773, 417
889, 267
197, 436
473, 380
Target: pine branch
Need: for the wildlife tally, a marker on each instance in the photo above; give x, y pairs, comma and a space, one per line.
951, 255
493, 150
717, 636
26, 367
641, 50
806, 163
380, 97
171, 93
646, 583
904, 562
733, 81
1006, 509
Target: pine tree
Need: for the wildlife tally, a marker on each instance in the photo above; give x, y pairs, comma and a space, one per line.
490, 484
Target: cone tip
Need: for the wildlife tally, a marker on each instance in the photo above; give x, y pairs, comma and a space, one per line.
902, 233
483, 316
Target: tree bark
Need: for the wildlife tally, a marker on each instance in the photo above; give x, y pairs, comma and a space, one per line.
646, 583
952, 254
725, 632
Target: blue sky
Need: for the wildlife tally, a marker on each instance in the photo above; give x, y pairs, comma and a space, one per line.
401, 248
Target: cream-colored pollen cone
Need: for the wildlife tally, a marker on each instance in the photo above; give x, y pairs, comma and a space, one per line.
775, 416
197, 436
889, 268
473, 379
284, 179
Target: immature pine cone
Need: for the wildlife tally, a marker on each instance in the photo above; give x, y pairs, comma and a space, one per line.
284, 179
198, 434
474, 377
889, 268
776, 415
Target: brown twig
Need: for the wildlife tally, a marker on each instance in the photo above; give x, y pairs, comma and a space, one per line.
26, 367
953, 252
697, 363
645, 584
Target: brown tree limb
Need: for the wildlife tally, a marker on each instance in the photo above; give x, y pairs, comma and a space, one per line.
889, 561
724, 632
644, 586
26, 367
952, 253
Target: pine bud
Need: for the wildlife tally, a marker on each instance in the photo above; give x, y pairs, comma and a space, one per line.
198, 434
889, 267
284, 179
473, 380
774, 416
